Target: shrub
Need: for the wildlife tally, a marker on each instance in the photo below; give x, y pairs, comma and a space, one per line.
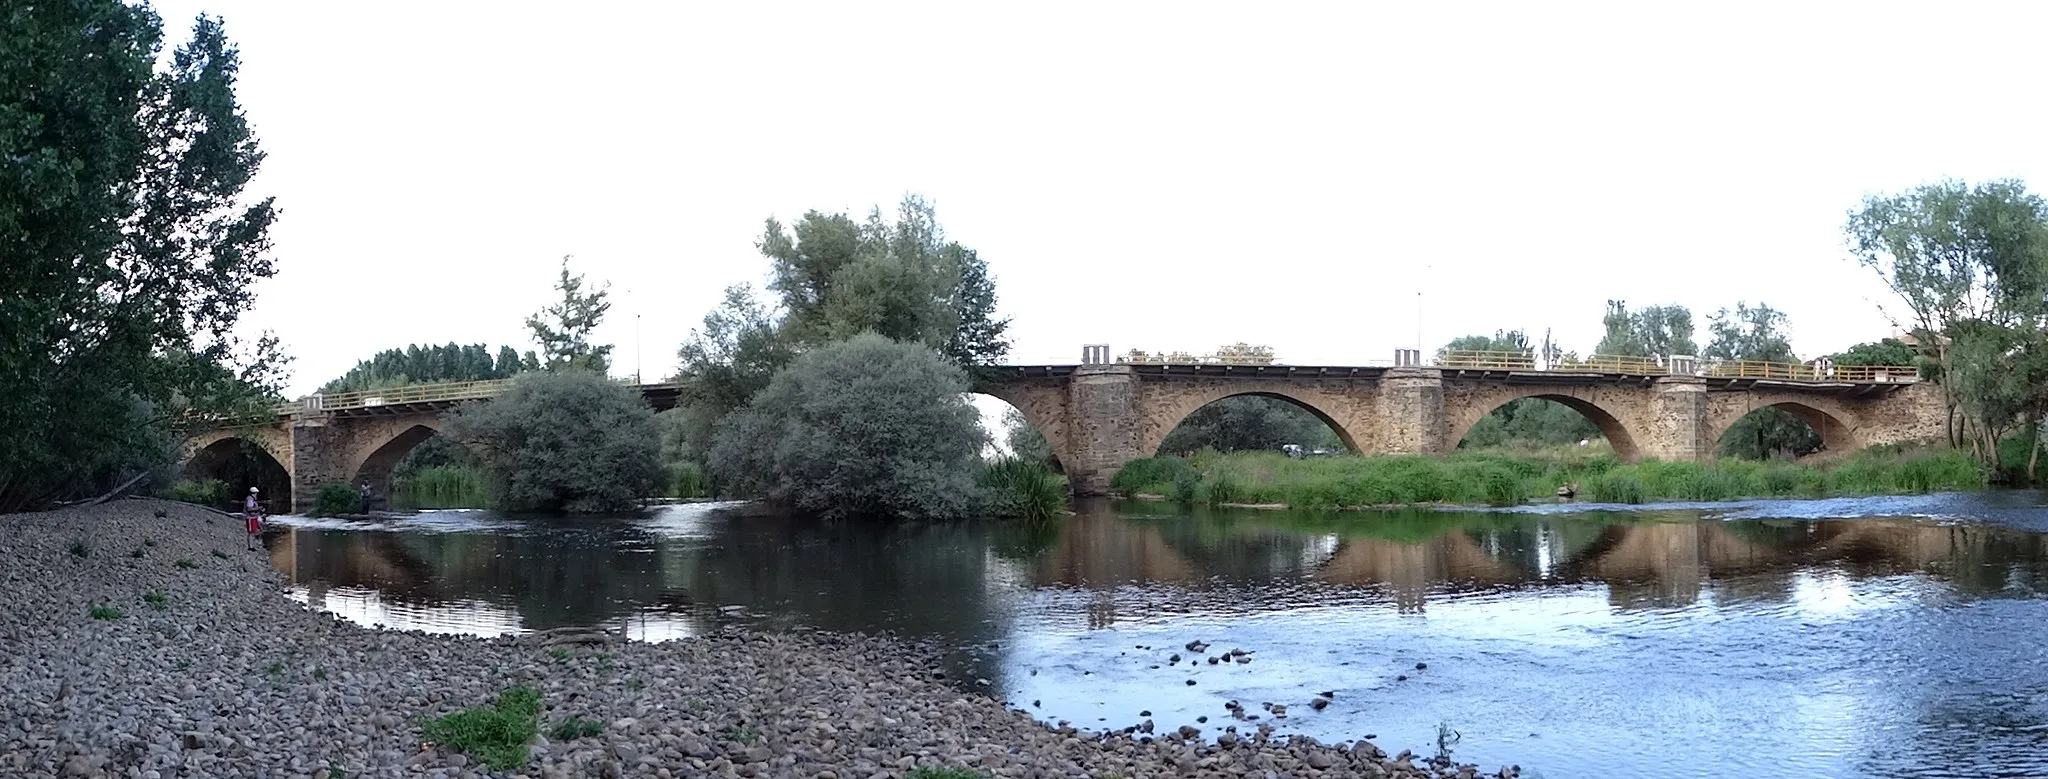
865, 427
574, 728
106, 612
336, 498
155, 599
204, 493
1617, 487
496, 735
571, 441
1021, 488
1152, 474
687, 480
444, 486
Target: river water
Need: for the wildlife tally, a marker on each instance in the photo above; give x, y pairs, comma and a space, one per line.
1871, 637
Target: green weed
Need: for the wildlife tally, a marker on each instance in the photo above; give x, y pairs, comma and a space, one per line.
156, 599
185, 562
943, 772
497, 734
80, 549
220, 554
137, 553
106, 612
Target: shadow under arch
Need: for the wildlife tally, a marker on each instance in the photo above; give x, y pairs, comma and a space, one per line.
1152, 448
240, 463
1611, 428
377, 466
1834, 434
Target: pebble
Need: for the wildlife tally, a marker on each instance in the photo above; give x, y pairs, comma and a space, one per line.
232, 679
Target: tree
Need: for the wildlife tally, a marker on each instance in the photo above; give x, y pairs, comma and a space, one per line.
867, 427
1887, 351
1249, 423
130, 247
902, 280
1024, 440
1970, 268
572, 441
1502, 341
563, 329
417, 364
1656, 331
1759, 333
1522, 421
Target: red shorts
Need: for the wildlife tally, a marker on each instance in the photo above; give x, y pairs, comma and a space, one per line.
255, 524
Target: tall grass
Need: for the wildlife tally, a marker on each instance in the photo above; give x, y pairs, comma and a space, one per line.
441, 487
1502, 479
688, 480
1026, 489
205, 493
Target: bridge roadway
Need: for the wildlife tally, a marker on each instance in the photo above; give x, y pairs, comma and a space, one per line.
1097, 417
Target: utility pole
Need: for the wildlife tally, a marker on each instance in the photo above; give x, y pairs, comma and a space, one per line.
636, 346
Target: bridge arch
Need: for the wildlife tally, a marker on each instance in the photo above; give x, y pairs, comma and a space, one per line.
1178, 402
241, 459
1831, 421
375, 464
1043, 404
1008, 442
1607, 416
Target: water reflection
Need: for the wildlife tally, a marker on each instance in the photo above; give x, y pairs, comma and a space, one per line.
1691, 641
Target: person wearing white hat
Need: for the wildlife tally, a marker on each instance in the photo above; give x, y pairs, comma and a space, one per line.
252, 509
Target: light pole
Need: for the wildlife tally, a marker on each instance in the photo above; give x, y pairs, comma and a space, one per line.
636, 346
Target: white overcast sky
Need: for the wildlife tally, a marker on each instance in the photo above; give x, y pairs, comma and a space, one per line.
1150, 175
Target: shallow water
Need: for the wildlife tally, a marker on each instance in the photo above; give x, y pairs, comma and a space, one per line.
1872, 637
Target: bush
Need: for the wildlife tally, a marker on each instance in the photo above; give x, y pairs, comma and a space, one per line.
571, 441
204, 493
1024, 488
335, 499
443, 486
687, 480
497, 735
865, 427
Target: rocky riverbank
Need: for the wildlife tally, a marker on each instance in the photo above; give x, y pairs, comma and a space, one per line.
138, 645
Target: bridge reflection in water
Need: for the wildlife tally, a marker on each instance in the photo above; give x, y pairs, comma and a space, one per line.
488, 575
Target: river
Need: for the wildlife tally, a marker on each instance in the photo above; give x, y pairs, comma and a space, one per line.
1869, 637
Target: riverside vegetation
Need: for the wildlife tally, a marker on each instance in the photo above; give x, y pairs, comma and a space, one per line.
1270, 478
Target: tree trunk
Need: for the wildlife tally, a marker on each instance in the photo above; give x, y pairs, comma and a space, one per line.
2033, 446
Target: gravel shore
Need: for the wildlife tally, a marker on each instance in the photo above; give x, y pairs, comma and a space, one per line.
194, 664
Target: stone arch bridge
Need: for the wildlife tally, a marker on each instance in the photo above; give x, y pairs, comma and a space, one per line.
1097, 417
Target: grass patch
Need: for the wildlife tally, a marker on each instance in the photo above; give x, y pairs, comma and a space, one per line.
275, 669
319, 674
559, 654
1020, 488
943, 772
1500, 479
185, 562
220, 554
106, 612
497, 734
574, 728
80, 549
136, 553
156, 599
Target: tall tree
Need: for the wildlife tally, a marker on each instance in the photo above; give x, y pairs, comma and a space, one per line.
563, 329
900, 279
1656, 331
416, 364
1969, 265
131, 248
1886, 351
1522, 421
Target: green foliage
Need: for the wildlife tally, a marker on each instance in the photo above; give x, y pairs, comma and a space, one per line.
156, 599
1497, 479
866, 427
444, 486
1525, 423
733, 356
572, 441
1024, 440
1654, 331
79, 548
130, 246
497, 735
1018, 488
943, 772
1970, 266
335, 499
563, 329
1250, 423
574, 728
902, 280
185, 562
1888, 351
416, 364
205, 493
1749, 333
106, 612
688, 480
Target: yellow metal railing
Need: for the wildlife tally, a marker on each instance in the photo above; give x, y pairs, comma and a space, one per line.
412, 393
1650, 366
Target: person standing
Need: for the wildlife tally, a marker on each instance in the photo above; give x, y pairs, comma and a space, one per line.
252, 511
